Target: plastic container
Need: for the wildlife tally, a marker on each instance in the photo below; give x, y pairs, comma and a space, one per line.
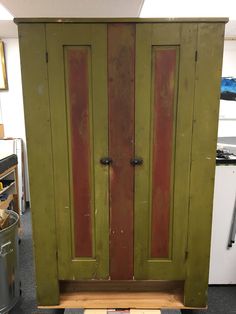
9, 265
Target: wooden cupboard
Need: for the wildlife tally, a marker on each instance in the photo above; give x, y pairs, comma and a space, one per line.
121, 120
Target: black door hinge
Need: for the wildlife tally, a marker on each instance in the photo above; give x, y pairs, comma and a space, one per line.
196, 55
46, 57
186, 255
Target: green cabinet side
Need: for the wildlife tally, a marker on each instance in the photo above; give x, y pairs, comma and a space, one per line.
205, 124
39, 147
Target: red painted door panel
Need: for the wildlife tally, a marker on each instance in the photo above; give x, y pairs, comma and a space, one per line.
164, 86
78, 63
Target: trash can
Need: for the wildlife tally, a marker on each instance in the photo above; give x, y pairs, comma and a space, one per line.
9, 264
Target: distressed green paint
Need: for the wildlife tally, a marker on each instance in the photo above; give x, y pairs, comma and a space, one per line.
57, 37
39, 148
142, 138
166, 34
206, 106
184, 136
173, 268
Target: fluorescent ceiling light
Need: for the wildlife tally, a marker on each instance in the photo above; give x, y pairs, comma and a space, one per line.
189, 8
4, 14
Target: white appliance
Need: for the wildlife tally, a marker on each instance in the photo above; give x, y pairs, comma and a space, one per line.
222, 259
227, 143
227, 119
15, 146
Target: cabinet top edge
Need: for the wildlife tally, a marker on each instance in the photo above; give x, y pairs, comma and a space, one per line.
121, 20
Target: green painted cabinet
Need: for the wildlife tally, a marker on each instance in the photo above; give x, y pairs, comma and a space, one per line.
121, 121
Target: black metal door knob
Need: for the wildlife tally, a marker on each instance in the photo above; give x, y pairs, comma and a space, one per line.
106, 161
136, 161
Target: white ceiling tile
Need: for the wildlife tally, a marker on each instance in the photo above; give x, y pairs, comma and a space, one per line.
73, 8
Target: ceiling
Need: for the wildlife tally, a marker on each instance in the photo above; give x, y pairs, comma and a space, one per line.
75, 8
66, 8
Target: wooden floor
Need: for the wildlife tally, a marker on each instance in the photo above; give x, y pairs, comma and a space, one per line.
109, 300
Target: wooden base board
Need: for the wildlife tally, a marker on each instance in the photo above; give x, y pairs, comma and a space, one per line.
110, 300
121, 286
139, 295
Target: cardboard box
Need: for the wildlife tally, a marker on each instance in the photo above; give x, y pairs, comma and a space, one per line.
1, 131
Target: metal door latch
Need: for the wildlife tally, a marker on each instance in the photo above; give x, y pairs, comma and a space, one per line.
136, 161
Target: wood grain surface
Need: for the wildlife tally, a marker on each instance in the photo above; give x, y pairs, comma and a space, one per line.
121, 41
164, 64
78, 85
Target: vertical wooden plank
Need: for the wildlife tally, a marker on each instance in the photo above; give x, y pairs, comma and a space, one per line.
184, 125
100, 126
121, 46
78, 67
206, 106
39, 147
142, 147
164, 67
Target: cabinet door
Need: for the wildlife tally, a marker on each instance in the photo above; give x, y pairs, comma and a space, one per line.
165, 75
77, 69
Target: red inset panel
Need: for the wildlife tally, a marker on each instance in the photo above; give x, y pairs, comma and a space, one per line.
78, 88
164, 70
121, 46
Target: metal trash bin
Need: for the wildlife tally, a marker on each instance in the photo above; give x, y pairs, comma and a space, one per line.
9, 265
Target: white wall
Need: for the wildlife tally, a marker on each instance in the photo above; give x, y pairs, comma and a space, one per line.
11, 101
227, 122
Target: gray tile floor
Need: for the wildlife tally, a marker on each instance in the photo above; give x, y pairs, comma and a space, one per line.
222, 300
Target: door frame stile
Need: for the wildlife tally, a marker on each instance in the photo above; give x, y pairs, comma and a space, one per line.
34, 69
205, 125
